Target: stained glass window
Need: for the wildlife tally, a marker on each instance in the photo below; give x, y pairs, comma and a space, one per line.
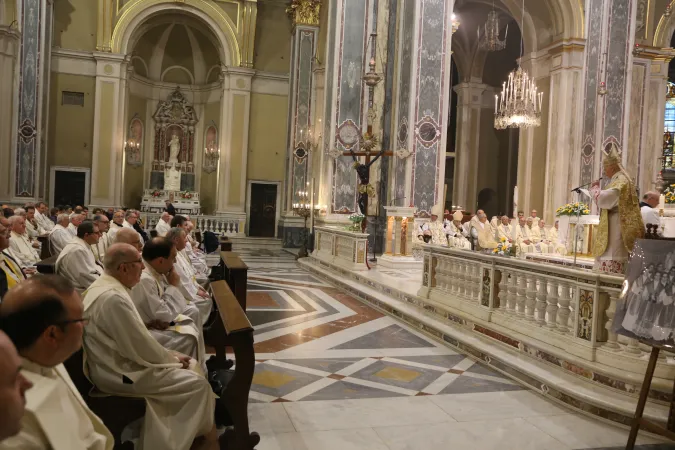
669, 129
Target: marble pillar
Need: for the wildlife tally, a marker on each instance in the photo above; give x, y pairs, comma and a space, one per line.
35, 27
610, 37
302, 135
9, 58
564, 93
469, 109
423, 101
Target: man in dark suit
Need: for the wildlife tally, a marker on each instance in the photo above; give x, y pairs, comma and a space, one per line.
170, 209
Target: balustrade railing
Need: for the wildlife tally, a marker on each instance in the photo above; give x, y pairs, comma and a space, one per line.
220, 225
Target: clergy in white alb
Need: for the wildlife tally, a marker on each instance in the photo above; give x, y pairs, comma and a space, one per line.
161, 304
41, 215
550, 236
455, 234
75, 220
60, 236
505, 230
483, 233
130, 218
56, 416
20, 245
99, 249
522, 238
76, 262
649, 211
193, 292
198, 264
541, 245
163, 224
116, 225
434, 231
33, 228
123, 358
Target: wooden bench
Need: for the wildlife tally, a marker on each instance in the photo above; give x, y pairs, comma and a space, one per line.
115, 412
235, 273
45, 251
225, 244
47, 266
232, 328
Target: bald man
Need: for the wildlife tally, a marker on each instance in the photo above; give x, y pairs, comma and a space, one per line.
13, 387
128, 236
56, 415
124, 359
650, 215
163, 224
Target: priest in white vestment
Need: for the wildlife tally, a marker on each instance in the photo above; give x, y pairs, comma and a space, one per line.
542, 246
522, 238
163, 224
161, 304
76, 262
550, 236
197, 257
75, 220
505, 230
193, 292
103, 224
60, 236
25, 251
33, 228
648, 209
123, 358
116, 225
41, 215
483, 233
534, 216
434, 229
56, 416
130, 218
13, 387
455, 234
198, 266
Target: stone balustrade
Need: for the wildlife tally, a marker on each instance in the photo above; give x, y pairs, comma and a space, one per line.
341, 247
564, 310
225, 225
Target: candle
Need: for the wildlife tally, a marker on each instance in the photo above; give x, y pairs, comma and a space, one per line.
496, 100
662, 201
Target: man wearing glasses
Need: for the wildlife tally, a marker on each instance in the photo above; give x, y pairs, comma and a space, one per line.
56, 416
76, 262
123, 358
99, 249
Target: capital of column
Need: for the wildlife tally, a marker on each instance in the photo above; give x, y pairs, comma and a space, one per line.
304, 12
471, 92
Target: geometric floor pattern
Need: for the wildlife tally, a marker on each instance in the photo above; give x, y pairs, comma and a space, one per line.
332, 373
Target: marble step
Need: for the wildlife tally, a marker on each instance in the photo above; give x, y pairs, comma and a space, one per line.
247, 243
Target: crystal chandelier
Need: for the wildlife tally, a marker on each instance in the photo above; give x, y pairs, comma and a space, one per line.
490, 41
519, 105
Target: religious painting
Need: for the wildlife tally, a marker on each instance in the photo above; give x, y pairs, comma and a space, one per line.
646, 306
134, 145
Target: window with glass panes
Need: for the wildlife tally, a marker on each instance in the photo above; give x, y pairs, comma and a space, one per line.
669, 131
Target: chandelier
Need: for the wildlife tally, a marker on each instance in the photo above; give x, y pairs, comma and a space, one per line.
490, 41
519, 105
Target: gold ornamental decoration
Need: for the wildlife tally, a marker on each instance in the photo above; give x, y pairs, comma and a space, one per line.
304, 12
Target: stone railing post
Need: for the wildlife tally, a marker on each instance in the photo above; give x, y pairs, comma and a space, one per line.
612, 338
503, 290
531, 295
564, 308
513, 289
540, 306
552, 304
522, 291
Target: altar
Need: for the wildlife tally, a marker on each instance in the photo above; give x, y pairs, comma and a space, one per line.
586, 226
185, 202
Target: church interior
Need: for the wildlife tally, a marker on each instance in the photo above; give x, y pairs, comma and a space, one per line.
384, 224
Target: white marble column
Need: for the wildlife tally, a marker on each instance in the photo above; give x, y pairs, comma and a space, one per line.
469, 109
9, 57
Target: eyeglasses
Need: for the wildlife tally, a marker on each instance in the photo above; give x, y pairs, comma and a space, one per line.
64, 323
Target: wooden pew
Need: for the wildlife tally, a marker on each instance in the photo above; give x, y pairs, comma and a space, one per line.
115, 412
236, 275
232, 328
47, 266
45, 251
225, 244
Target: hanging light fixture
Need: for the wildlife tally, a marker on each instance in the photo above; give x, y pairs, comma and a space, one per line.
519, 105
490, 41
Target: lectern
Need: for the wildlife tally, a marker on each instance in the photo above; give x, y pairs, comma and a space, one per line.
399, 239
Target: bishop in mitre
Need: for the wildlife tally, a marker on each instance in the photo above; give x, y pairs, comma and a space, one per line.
620, 218
433, 228
454, 232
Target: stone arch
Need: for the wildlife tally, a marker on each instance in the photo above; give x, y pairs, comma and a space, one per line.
664, 30
136, 12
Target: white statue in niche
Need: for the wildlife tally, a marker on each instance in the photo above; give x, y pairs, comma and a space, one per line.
174, 147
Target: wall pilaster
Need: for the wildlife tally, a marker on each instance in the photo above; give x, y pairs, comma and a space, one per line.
9, 57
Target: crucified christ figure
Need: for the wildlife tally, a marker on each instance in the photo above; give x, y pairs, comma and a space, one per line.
363, 172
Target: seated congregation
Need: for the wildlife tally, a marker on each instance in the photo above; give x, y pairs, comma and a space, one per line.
114, 339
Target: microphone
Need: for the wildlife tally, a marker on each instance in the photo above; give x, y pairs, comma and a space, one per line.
576, 189
391, 203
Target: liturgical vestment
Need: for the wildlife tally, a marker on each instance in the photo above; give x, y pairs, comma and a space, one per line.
190, 286
77, 264
521, 234
59, 238
123, 358
156, 299
162, 227
23, 250
56, 417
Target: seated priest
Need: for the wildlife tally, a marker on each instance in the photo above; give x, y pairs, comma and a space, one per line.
193, 292
162, 306
127, 236
550, 235
60, 236
123, 358
42, 217
505, 230
23, 250
455, 234
199, 270
76, 219
130, 219
103, 223
483, 233
33, 228
197, 256
163, 224
11, 273
522, 238
533, 215
13, 387
76, 262
540, 244
433, 229
648, 209
44, 319
117, 224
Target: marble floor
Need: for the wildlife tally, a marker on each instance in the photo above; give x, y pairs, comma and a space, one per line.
334, 373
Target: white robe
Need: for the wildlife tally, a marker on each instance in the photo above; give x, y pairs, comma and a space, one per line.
123, 358
44, 221
56, 416
101, 247
539, 243
114, 228
58, 239
155, 299
23, 250
650, 216
551, 235
190, 287
77, 264
484, 235
522, 233
72, 229
455, 237
505, 232
162, 227
609, 199
34, 231
198, 261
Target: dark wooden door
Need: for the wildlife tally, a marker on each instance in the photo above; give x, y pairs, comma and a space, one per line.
263, 210
69, 188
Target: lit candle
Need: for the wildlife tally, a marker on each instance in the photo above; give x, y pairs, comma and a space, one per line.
496, 100
662, 201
